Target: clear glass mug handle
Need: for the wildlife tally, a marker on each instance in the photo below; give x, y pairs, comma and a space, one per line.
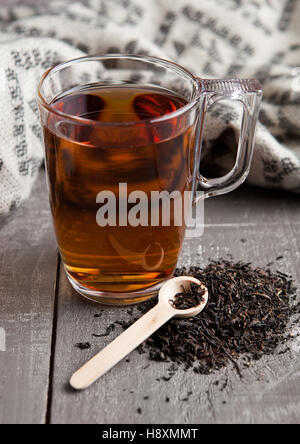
249, 93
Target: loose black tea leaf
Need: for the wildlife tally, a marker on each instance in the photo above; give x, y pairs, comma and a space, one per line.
83, 345
98, 315
108, 330
186, 398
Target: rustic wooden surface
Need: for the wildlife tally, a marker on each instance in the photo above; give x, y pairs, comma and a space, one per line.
43, 319
28, 262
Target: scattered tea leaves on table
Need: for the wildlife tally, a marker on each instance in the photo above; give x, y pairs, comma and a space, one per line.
247, 315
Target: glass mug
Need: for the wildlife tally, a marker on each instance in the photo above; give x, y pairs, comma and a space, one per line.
119, 131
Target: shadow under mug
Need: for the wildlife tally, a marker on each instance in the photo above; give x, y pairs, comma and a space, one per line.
118, 163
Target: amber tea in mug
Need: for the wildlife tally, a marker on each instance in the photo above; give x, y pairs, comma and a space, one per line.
133, 126
82, 161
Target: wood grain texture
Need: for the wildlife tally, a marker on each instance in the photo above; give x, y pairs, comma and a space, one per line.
252, 225
27, 277
269, 392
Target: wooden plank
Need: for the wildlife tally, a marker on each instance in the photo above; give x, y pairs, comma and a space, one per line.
28, 261
252, 225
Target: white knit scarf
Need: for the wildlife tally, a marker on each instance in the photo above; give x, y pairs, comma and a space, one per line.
212, 38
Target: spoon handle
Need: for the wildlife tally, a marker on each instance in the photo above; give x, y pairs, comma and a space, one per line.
121, 346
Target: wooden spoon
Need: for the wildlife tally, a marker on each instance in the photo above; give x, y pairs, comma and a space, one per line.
131, 338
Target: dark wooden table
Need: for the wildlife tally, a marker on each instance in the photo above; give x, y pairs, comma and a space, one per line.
43, 319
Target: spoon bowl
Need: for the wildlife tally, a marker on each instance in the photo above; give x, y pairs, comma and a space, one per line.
177, 285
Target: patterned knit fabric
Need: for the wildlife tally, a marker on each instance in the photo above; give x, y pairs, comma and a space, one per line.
212, 38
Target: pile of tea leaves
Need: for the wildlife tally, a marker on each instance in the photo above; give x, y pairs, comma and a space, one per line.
247, 315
